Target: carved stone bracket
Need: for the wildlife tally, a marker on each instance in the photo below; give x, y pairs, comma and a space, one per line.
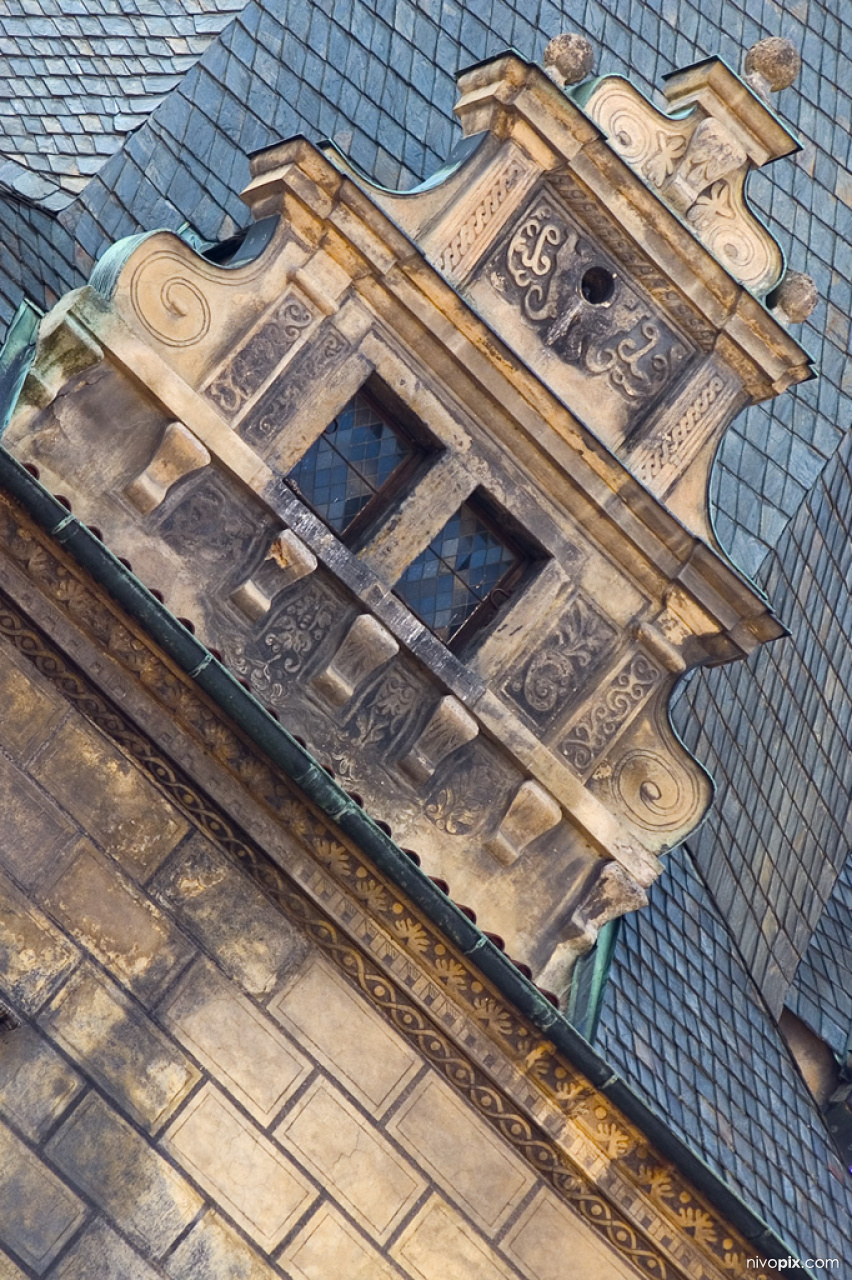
532, 812
287, 560
613, 893
365, 647
449, 728
9, 1021
178, 454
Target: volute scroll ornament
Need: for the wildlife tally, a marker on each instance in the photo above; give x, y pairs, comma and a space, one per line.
173, 308
652, 780
698, 157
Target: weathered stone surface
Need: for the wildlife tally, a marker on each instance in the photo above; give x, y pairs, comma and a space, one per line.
39, 1211
116, 1045
133, 1184
110, 797
440, 1245
350, 1159
774, 62
242, 1048
31, 709
254, 1183
34, 830
36, 1084
537, 1244
568, 58
8, 1270
324, 1014
116, 922
213, 1250
102, 1253
447, 1140
34, 955
252, 941
329, 1245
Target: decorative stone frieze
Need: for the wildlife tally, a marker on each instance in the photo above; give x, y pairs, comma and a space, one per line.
261, 896
552, 333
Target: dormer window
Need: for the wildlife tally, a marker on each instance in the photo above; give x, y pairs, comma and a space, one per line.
457, 585
353, 471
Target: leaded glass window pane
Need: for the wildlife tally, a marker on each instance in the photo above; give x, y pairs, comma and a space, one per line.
353, 459
457, 573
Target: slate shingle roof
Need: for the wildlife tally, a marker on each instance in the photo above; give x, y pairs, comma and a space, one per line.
776, 733
379, 76
686, 1025
821, 994
77, 77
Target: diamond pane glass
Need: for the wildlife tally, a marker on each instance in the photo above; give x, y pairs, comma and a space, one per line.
350, 462
455, 574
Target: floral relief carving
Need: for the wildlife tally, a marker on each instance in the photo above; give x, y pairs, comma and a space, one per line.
546, 681
462, 802
298, 627
385, 714
256, 360
205, 518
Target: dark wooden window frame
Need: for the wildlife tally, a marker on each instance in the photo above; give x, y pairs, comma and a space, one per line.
507, 531
423, 449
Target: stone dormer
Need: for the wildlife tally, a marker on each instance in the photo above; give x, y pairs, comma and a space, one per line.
613, 246
541, 349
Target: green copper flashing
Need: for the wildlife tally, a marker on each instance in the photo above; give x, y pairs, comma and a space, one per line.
16, 357
244, 709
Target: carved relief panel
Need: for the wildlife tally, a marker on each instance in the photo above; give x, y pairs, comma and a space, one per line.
544, 684
615, 345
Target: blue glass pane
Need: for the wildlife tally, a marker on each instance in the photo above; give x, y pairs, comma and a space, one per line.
455, 574
350, 462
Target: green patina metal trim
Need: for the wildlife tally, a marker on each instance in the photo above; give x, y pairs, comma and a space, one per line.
16, 358
210, 675
588, 983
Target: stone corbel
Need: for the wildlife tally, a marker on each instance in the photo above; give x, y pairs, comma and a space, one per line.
366, 647
178, 454
9, 1021
532, 812
449, 728
613, 893
287, 560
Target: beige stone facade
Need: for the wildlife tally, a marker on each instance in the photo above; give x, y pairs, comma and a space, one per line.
244, 1051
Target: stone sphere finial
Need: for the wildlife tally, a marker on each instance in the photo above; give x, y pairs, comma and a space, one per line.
569, 58
772, 65
793, 300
